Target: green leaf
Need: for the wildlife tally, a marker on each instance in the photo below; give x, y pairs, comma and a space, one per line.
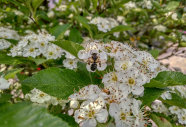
12, 73
172, 5
5, 59
56, 82
85, 24
68, 119
28, 115
75, 36
120, 28
176, 100
21, 77
154, 53
5, 97
95, 3
36, 4
160, 121
69, 46
167, 78
151, 94
59, 30
156, 4
38, 61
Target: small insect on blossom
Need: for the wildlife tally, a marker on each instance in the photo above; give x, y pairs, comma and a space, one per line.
94, 58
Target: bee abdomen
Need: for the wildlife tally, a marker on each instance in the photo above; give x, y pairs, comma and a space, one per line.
93, 67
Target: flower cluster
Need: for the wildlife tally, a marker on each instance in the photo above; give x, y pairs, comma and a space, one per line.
122, 85
40, 97
180, 113
105, 24
7, 33
35, 45
4, 44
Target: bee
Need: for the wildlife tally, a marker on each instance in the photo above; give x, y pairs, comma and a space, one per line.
92, 61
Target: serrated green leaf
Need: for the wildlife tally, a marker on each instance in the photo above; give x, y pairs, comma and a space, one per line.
28, 115
59, 30
85, 24
172, 5
75, 36
167, 78
69, 46
12, 73
160, 121
176, 100
151, 94
56, 82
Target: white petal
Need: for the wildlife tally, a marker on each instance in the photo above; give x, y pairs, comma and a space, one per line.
113, 109
102, 67
82, 54
89, 123
4, 84
103, 56
102, 115
137, 90
125, 89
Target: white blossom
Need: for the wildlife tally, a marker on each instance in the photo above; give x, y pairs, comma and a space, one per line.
174, 110
160, 28
159, 107
70, 63
174, 16
38, 96
166, 95
90, 113
130, 5
133, 82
